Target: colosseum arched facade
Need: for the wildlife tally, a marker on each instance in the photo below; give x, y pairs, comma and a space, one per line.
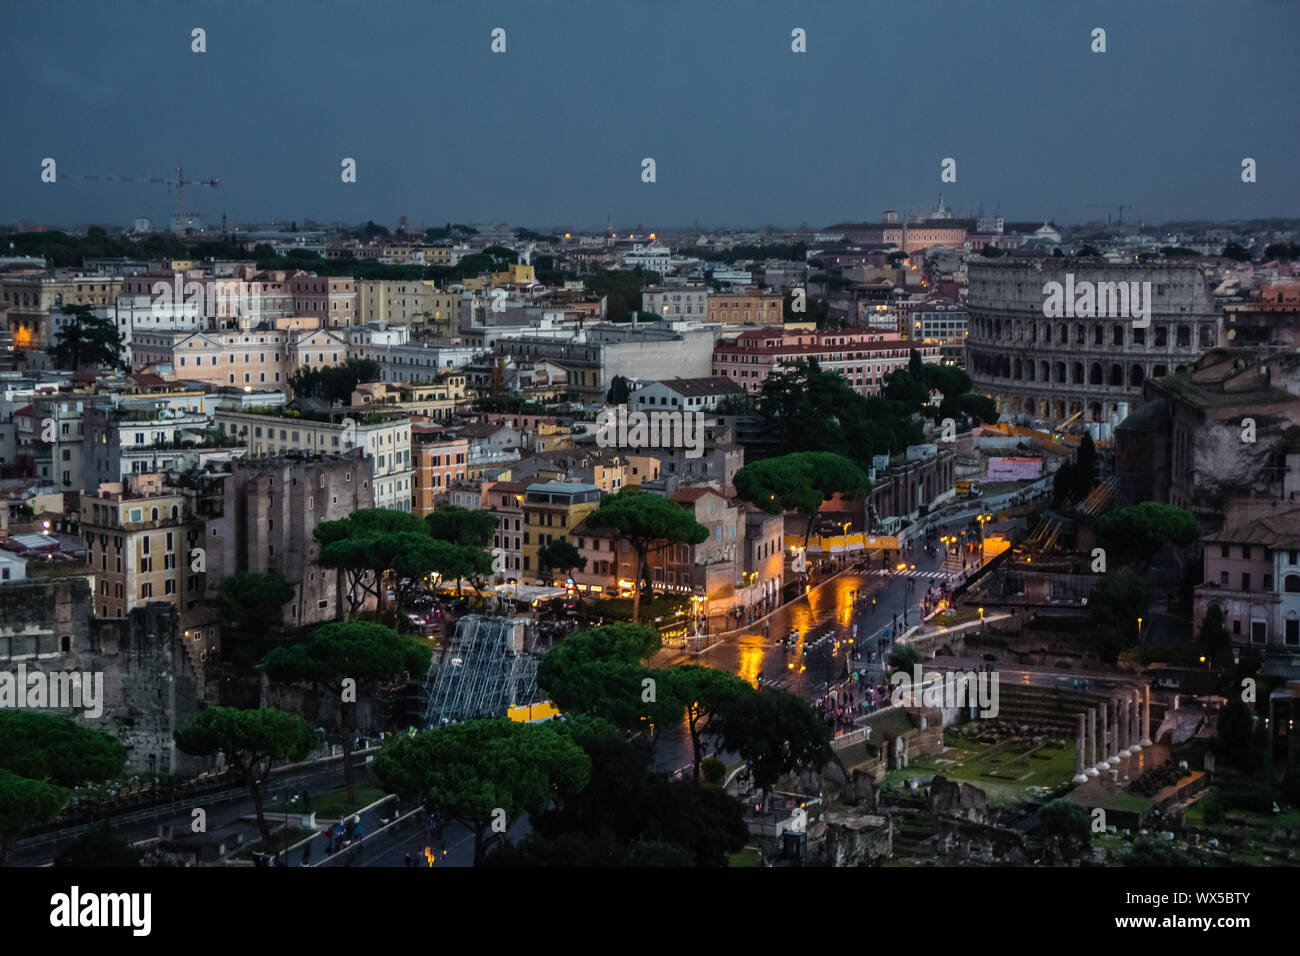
1054, 367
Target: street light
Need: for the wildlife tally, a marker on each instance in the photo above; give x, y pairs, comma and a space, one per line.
981, 620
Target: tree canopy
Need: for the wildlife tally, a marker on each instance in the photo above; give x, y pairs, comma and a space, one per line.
86, 340
800, 482
482, 771
646, 522
360, 651
1114, 606
253, 602
334, 383
1137, 533
561, 556
251, 741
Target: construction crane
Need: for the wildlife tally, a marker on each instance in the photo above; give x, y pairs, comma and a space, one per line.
180, 182
1111, 205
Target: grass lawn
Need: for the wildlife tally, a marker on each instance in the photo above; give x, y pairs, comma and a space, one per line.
333, 804
746, 857
1002, 770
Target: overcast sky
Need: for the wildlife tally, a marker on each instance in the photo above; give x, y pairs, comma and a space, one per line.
743, 131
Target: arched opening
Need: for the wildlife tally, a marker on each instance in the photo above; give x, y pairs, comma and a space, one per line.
1059, 372
1076, 373
1135, 376
1094, 374
1117, 334
1116, 376
1096, 335
1159, 371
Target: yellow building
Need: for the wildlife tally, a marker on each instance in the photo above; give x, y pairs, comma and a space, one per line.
749, 307
551, 511
514, 273
140, 540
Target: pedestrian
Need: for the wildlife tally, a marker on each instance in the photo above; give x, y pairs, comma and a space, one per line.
306, 853
408, 861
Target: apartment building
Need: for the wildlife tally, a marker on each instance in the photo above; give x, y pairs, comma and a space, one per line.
438, 459
1252, 574
400, 360
434, 400
746, 307
505, 499
715, 568
331, 299
416, 303
139, 538
384, 438
551, 511
676, 303
862, 358
145, 437
261, 357
30, 297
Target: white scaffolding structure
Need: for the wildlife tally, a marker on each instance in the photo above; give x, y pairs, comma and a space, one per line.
490, 667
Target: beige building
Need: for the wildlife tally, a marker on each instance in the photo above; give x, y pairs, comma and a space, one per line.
265, 357
437, 400
415, 303
331, 299
384, 438
29, 299
140, 538
749, 307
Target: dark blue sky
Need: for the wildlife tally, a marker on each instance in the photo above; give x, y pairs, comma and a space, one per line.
743, 131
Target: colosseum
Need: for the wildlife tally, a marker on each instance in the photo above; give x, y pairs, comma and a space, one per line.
1052, 368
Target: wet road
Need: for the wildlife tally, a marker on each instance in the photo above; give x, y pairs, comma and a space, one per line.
835, 634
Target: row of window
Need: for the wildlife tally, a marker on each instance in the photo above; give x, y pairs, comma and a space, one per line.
1290, 583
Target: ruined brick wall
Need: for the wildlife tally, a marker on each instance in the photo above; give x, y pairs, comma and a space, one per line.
149, 683
269, 510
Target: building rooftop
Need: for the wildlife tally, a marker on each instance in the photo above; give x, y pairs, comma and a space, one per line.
693, 387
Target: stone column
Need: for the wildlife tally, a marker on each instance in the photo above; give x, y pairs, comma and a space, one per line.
1125, 751
1092, 742
1135, 714
1113, 706
1104, 762
1146, 715
1079, 775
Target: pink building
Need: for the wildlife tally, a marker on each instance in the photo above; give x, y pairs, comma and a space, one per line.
863, 357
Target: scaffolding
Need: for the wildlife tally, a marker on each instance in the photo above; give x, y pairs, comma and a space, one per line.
489, 667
